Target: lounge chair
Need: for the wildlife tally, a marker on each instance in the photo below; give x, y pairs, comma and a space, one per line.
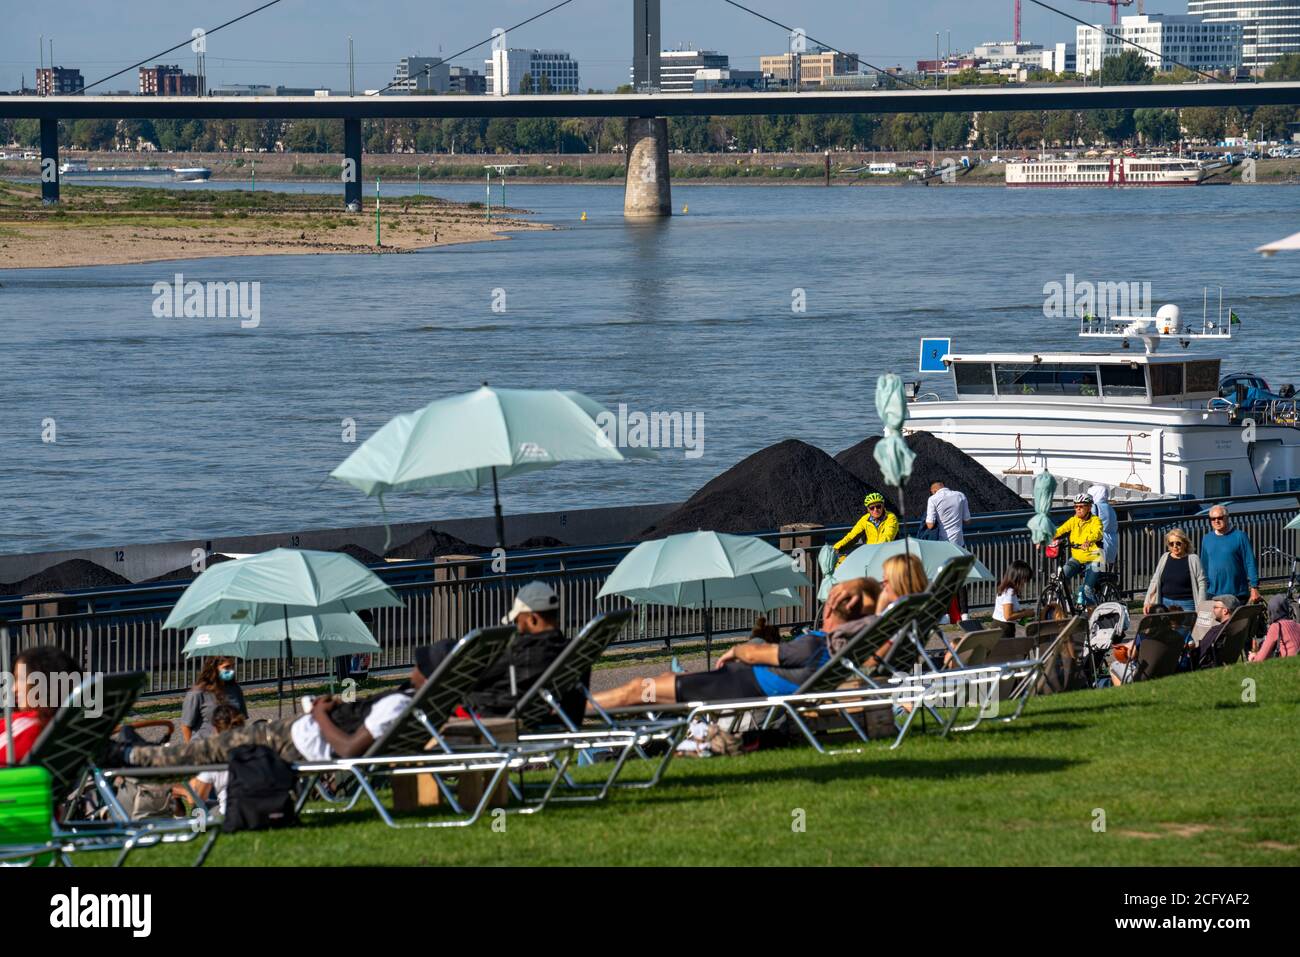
70, 749
883, 678
541, 719
1158, 644
1232, 639
405, 747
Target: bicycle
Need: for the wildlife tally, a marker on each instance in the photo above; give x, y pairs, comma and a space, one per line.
1293, 579
1058, 600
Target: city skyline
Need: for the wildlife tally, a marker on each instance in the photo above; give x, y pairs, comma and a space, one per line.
279, 46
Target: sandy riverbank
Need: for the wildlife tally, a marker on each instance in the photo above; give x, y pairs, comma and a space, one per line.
98, 226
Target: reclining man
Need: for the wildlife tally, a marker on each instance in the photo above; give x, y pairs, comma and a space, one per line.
334, 728
759, 669
538, 642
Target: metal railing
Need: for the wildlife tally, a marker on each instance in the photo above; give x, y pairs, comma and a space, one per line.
120, 629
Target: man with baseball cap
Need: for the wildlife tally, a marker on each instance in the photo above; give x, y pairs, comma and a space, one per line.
538, 641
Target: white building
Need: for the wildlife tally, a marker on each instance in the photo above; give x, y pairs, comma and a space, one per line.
1270, 29
1197, 43
1007, 53
507, 69
678, 69
421, 74
1060, 58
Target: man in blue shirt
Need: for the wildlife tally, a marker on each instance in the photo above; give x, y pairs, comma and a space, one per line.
1229, 559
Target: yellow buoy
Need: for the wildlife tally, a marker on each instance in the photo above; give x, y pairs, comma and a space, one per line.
584, 215
685, 208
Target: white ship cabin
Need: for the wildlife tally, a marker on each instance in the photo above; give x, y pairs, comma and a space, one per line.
1159, 422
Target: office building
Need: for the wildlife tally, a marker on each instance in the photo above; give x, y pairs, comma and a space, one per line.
1061, 58
678, 68
58, 81
1270, 29
165, 80
548, 71
812, 68
721, 81
1197, 43
461, 79
424, 75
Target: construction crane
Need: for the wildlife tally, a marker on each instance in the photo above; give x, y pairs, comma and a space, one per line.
1114, 12
1114, 7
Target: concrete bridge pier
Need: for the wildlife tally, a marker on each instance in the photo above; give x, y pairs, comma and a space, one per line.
647, 191
352, 163
49, 160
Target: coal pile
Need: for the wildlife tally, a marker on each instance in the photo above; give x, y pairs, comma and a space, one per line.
364, 555
936, 461
187, 572
433, 543
787, 482
541, 541
72, 575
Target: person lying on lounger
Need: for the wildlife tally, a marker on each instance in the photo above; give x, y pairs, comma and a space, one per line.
334, 728
758, 669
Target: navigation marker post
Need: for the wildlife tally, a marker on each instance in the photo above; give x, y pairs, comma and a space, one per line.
377, 242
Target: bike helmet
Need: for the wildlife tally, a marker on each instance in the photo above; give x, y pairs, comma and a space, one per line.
873, 498
1083, 498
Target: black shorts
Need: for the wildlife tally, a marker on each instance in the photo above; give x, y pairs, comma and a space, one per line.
734, 681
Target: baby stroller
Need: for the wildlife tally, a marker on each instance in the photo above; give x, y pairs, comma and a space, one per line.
1108, 626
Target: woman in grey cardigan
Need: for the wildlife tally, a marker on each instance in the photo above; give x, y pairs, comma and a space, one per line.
1179, 579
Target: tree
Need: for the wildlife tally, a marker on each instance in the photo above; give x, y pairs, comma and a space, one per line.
1062, 127
93, 134
544, 84
1273, 120
1129, 67
951, 130
1115, 126
1285, 68
1156, 126
1203, 123
526, 84
500, 135
1026, 128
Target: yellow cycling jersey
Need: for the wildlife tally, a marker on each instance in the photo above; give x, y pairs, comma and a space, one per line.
872, 534
1084, 536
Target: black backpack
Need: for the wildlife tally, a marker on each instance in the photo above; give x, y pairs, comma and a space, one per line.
260, 793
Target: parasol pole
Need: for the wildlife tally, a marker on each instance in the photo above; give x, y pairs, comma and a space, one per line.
10, 691
708, 628
288, 649
496, 508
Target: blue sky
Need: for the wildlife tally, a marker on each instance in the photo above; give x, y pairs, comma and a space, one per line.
304, 42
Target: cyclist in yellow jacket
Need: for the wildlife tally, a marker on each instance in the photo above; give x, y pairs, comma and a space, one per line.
1085, 533
878, 525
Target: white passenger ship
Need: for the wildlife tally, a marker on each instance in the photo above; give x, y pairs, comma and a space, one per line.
1109, 171
1167, 423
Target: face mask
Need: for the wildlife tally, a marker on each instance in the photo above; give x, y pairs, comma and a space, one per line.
226, 674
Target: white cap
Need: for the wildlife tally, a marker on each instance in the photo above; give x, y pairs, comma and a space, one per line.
535, 596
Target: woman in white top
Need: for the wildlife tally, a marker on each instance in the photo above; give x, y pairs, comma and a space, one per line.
1006, 607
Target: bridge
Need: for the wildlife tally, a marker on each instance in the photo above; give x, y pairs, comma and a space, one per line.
647, 191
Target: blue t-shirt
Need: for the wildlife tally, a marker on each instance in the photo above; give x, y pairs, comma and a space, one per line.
798, 658
1229, 563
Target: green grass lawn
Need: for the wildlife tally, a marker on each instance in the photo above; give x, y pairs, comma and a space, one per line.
1185, 771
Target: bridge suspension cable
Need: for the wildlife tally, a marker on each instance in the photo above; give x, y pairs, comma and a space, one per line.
1116, 36
790, 29
186, 42
521, 23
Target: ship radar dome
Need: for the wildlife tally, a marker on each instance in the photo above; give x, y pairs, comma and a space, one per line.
1168, 318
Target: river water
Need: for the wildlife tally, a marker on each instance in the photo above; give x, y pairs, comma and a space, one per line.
178, 428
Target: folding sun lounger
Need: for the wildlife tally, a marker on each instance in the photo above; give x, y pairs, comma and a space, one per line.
70, 749
884, 682
1233, 637
539, 712
403, 749
1158, 644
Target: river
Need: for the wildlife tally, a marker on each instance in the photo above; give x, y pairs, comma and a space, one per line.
177, 428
